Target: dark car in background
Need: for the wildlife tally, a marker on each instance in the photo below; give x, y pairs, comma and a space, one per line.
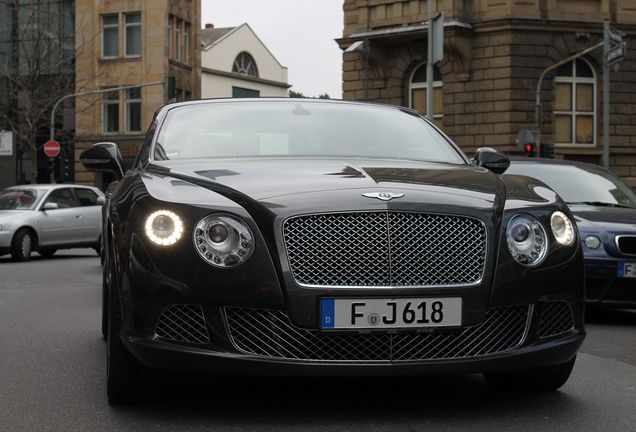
330, 238
604, 208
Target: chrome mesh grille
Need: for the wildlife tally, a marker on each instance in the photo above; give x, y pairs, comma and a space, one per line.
385, 249
269, 333
556, 318
626, 244
183, 323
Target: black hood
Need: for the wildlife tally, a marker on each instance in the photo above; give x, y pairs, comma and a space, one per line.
597, 218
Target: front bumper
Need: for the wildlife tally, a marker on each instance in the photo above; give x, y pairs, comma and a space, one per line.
604, 288
263, 347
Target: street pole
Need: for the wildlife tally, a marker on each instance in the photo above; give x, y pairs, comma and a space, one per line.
429, 64
606, 93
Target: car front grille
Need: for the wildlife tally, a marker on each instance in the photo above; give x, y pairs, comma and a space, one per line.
626, 245
269, 333
385, 249
556, 318
183, 323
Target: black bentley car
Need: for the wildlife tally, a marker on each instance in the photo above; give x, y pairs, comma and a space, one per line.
304, 237
604, 209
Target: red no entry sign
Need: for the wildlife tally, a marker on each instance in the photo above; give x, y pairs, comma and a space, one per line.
52, 148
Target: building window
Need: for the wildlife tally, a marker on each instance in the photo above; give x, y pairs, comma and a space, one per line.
110, 112
133, 110
133, 34
244, 64
240, 92
177, 43
418, 89
575, 104
186, 42
110, 36
170, 35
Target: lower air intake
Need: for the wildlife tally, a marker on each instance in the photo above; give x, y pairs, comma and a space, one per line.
183, 323
556, 318
269, 333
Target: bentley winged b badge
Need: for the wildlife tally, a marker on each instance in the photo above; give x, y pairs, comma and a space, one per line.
384, 196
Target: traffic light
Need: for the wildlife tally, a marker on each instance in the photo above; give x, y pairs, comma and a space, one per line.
530, 149
547, 151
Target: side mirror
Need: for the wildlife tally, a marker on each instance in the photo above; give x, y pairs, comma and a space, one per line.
50, 206
491, 159
101, 200
103, 157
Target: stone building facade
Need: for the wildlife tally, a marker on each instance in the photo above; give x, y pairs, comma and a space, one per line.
495, 51
135, 42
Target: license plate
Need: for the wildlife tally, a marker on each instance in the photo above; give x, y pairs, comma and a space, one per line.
390, 313
627, 269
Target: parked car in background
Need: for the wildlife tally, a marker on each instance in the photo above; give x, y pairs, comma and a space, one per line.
308, 237
45, 218
604, 208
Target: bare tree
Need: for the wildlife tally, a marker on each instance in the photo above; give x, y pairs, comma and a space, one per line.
39, 69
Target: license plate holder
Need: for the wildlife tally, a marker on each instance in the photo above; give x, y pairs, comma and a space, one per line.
390, 313
626, 269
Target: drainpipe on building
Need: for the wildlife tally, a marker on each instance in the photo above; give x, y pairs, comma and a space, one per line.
429, 64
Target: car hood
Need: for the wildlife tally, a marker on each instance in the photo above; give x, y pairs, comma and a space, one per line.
593, 218
11, 215
282, 183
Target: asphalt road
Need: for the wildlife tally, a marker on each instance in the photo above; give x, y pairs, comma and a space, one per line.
52, 377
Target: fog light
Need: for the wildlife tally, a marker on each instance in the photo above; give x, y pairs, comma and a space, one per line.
592, 242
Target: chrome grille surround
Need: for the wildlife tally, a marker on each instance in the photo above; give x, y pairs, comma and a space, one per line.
556, 318
385, 248
183, 323
269, 333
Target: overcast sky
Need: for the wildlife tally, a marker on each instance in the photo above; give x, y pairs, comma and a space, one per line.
300, 34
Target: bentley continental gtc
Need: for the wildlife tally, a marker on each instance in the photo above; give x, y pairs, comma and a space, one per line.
293, 237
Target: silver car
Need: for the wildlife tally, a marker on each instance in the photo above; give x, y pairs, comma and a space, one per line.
45, 218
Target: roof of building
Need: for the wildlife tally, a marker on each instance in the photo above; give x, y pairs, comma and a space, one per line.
210, 36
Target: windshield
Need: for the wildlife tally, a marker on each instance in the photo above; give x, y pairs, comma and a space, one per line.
298, 129
594, 186
18, 199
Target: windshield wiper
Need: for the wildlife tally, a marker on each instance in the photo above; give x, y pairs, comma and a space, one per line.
600, 204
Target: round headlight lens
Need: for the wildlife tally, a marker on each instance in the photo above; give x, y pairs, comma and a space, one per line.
527, 240
164, 228
223, 240
562, 228
592, 242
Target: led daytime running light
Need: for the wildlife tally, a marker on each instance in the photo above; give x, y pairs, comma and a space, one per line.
164, 239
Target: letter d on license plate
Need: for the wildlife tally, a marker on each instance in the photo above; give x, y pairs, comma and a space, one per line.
390, 313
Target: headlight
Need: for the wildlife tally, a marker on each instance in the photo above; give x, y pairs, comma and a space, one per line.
562, 228
223, 240
592, 242
164, 228
527, 240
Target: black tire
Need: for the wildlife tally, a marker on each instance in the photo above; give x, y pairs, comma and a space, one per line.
542, 379
124, 384
48, 253
22, 245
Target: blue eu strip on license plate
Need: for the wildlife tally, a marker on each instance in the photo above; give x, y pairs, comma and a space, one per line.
327, 312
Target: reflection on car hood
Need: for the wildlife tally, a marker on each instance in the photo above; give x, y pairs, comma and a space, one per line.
593, 218
264, 179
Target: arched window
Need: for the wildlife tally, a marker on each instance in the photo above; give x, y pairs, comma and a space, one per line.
244, 64
575, 104
418, 89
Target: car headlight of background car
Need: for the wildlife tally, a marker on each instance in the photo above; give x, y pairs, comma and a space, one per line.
592, 242
164, 228
223, 240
